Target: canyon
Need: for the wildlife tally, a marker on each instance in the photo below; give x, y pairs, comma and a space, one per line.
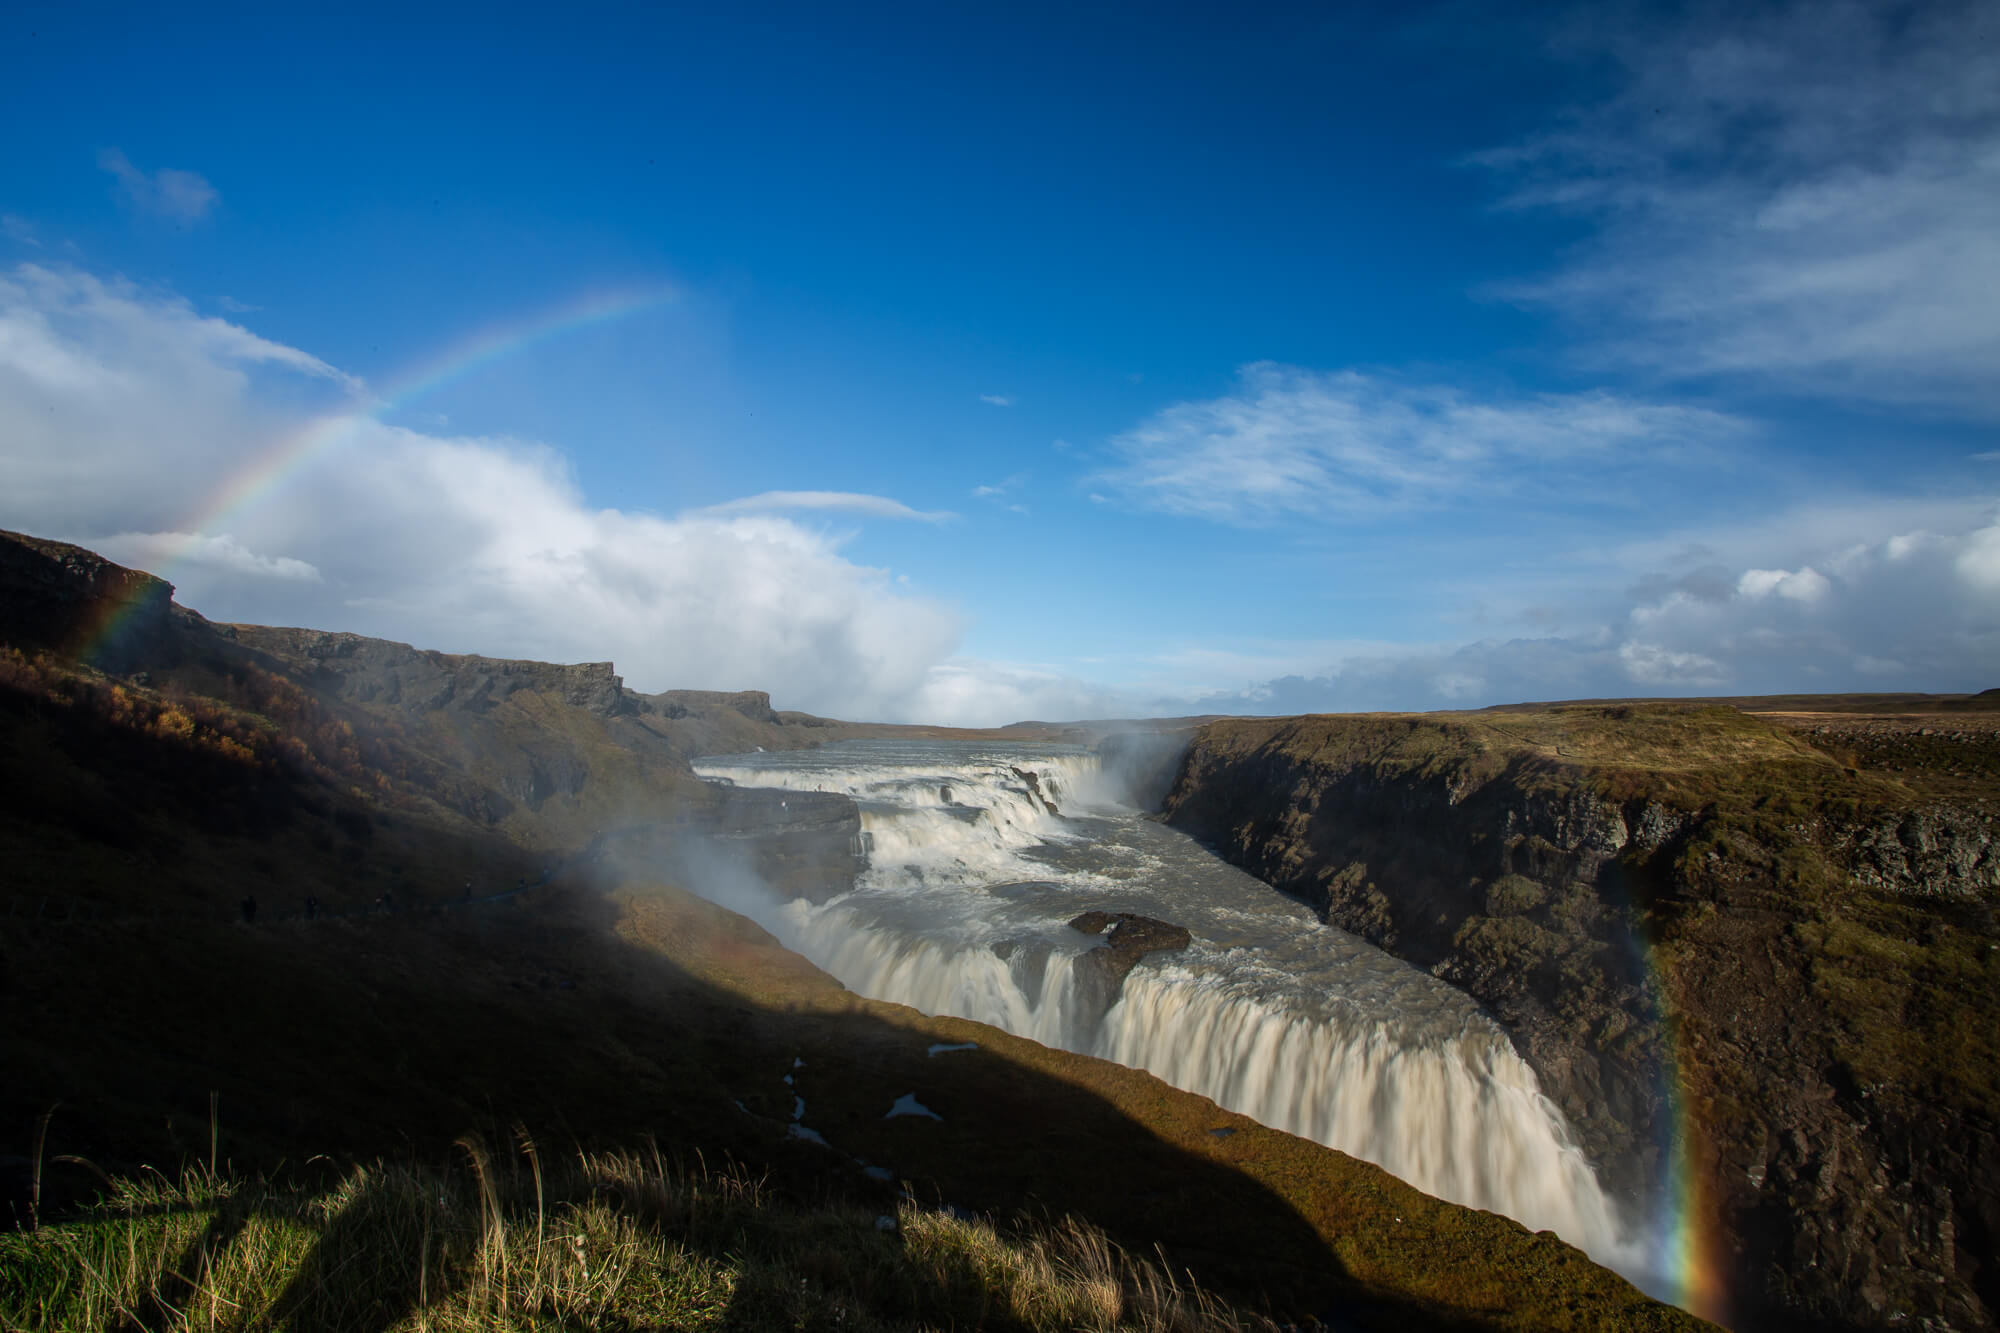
1747, 948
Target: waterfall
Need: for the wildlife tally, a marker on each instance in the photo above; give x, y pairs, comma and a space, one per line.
963, 910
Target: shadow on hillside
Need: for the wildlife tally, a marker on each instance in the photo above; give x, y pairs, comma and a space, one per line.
390, 1035
388, 1038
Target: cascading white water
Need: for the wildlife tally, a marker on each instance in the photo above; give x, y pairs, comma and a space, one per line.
963, 910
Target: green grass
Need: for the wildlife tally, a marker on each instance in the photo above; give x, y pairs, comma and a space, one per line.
612, 1241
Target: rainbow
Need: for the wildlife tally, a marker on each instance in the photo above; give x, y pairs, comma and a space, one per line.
1691, 1257
1682, 1256
286, 456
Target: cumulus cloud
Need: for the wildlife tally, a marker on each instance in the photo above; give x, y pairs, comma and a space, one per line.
1294, 441
179, 196
1977, 561
1650, 664
1806, 585
839, 502
1805, 194
124, 416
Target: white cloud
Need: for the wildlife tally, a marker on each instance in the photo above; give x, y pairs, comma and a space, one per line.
840, 502
998, 492
997, 399
1301, 442
1650, 664
152, 550
971, 693
1808, 585
18, 229
181, 196
45, 313
125, 420
1978, 560
1806, 194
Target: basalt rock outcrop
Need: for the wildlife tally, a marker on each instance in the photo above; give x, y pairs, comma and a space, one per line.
57, 596
1724, 951
1099, 974
397, 675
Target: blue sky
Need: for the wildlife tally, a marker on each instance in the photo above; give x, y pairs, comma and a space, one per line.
977, 366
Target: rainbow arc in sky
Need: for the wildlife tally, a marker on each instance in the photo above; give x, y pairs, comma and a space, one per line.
286, 456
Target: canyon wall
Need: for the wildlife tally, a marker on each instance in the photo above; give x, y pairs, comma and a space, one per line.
1725, 951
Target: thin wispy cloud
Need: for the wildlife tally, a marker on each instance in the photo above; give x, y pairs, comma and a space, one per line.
1805, 196
1293, 442
997, 399
838, 502
19, 230
1001, 492
179, 196
70, 302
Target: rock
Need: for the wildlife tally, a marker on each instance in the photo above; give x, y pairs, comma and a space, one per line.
1035, 789
1100, 974
421, 681
753, 704
54, 595
1937, 852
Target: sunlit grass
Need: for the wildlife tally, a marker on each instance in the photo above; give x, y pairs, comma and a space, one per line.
599, 1241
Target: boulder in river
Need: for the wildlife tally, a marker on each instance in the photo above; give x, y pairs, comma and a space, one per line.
1101, 972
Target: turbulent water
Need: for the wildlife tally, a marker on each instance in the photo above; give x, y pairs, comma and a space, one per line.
963, 909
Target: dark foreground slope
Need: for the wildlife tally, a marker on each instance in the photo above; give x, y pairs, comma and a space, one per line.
377, 1006
1765, 944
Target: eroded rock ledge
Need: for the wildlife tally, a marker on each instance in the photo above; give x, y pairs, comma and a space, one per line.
1100, 973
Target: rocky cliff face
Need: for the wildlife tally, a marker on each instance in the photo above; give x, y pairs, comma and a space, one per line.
554, 756
419, 681
1802, 956
1491, 886
54, 595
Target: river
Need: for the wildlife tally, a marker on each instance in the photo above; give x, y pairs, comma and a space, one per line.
963, 909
